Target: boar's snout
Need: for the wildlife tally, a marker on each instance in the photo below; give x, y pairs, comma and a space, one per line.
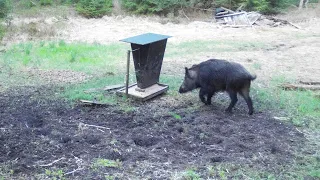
182, 89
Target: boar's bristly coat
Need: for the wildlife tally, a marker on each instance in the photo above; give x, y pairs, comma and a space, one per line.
216, 75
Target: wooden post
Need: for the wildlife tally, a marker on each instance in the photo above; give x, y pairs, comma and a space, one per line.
127, 75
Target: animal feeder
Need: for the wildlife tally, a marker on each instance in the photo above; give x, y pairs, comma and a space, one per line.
147, 51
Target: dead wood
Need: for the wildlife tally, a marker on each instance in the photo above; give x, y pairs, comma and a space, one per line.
92, 103
50, 164
284, 22
107, 88
226, 9
300, 87
309, 82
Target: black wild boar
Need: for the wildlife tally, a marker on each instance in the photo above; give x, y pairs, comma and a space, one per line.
216, 75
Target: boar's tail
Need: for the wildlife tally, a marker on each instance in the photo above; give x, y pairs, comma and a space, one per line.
253, 77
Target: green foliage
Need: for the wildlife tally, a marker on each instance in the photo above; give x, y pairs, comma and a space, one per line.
191, 175
55, 175
175, 115
106, 163
46, 2
172, 6
153, 6
4, 8
94, 8
315, 173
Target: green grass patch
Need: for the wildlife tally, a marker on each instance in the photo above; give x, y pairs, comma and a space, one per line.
78, 91
302, 108
98, 163
92, 59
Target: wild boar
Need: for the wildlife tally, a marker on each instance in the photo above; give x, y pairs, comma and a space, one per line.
216, 75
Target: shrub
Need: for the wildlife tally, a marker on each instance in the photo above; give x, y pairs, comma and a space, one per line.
94, 8
4, 8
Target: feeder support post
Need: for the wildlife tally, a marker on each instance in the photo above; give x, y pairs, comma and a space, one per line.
127, 75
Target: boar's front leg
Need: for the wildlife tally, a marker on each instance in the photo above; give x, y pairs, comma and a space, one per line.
202, 93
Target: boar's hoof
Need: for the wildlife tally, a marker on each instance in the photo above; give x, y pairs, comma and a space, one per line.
250, 112
229, 110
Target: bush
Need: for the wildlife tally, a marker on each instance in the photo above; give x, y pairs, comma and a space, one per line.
94, 8
4, 8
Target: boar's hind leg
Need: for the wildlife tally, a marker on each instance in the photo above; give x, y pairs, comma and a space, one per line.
234, 99
202, 93
210, 94
245, 94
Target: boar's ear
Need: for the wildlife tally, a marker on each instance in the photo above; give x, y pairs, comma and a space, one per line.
187, 72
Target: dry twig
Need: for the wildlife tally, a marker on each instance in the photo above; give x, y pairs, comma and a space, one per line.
50, 164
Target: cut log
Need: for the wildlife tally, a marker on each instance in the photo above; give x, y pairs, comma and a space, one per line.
300, 87
113, 87
309, 82
226, 9
92, 103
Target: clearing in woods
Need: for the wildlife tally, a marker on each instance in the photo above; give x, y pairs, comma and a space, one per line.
174, 136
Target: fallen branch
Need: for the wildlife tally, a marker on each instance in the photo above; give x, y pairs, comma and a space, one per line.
86, 102
107, 88
236, 26
71, 172
90, 125
309, 82
284, 22
226, 9
185, 14
300, 87
50, 164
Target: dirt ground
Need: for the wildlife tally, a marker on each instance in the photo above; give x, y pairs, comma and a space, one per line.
38, 132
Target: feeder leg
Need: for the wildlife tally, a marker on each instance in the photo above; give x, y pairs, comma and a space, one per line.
127, 75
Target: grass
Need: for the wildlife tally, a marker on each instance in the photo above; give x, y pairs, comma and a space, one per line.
98, 163
80, 57
301, 107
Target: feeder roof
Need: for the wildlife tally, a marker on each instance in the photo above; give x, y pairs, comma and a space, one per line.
144, 39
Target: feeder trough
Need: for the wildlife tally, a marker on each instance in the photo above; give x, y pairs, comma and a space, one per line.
147, 51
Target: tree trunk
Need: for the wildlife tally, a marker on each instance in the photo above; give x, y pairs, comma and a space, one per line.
116, 5
301, 4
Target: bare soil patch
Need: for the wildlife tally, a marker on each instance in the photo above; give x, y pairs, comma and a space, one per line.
36, 131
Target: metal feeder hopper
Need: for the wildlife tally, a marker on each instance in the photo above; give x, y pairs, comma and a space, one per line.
147, 51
